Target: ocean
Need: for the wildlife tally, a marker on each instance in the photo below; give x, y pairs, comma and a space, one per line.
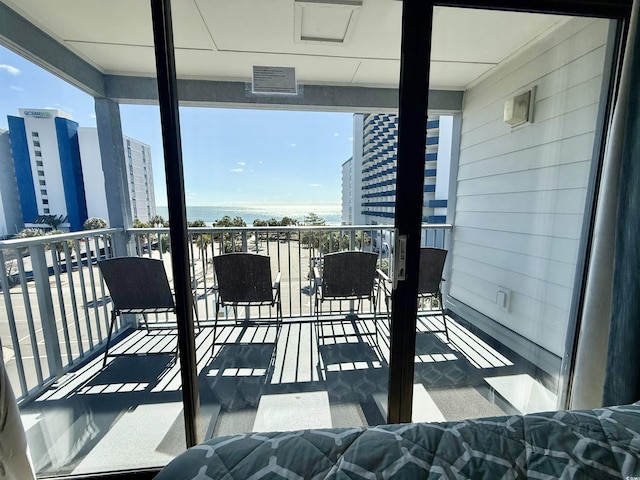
330, 213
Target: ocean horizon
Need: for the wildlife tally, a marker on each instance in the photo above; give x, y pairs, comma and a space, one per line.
331, 214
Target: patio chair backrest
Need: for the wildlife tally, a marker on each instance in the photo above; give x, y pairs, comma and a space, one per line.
137, 283
348, 274
431, 266
244, 277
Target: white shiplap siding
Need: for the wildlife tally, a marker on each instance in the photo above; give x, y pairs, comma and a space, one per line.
521, 191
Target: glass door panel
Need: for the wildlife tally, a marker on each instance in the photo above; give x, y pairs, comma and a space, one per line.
519, 174
289, 154
84, 164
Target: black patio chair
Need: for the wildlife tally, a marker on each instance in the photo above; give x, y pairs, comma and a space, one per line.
136, 285
431, 267
349, 276
244, 280
429, 281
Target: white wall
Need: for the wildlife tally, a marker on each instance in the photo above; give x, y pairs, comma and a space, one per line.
521, 191
92, 173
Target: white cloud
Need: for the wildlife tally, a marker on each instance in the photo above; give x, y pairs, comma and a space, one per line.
292, 144
16, 88
350, 138
237, 170
57, 106
10, 69
314, 185
242, 163
336, 134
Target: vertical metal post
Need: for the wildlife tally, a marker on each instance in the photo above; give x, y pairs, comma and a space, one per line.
10, 316
45, 306
169, 115
83, 292
412, 124
244, 240
63, 309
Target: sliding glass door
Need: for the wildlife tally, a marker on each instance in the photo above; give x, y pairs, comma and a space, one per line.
454, 151
493, 334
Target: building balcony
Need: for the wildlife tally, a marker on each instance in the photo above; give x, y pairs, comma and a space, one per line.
78, 413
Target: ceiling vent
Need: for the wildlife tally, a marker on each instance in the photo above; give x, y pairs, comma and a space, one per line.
325, 21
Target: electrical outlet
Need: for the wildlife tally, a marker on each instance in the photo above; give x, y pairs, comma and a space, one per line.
503, 298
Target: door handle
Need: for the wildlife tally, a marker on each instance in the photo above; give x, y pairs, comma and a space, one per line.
400, 260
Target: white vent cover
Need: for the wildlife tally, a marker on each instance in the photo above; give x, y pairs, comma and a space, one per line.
325, 21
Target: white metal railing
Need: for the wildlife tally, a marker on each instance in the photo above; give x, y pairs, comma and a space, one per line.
56, 303
294, 251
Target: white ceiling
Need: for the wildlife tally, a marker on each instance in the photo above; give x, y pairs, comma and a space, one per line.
223, 39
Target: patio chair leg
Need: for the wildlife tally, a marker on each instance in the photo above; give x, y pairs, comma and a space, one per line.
444, 317
215, 328
106, 351
195, 313
272, 361
375, 317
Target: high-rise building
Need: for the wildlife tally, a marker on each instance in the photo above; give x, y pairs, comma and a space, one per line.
58, 171
44, 145
375, 162
139, 176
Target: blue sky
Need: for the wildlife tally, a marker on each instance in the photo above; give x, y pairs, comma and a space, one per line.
231, 156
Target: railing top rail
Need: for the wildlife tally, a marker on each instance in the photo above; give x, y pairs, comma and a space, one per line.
30, 241
293, 228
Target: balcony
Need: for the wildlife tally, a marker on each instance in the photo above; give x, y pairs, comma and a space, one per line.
77, 413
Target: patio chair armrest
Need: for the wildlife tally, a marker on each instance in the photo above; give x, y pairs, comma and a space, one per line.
383, 276
276, 287
276, 284
383, 279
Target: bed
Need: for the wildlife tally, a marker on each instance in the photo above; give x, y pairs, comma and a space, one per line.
586, 444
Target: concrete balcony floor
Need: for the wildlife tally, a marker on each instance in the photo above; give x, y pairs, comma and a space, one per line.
129, 413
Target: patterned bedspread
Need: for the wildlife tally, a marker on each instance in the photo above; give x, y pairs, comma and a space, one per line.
589, 444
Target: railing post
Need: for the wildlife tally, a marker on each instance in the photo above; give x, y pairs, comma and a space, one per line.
45, 306
124, 244
15, 341
244, 240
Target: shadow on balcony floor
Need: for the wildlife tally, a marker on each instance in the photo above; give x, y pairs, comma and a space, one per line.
129, 414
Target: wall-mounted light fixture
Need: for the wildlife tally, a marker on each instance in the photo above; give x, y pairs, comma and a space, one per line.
519, 109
